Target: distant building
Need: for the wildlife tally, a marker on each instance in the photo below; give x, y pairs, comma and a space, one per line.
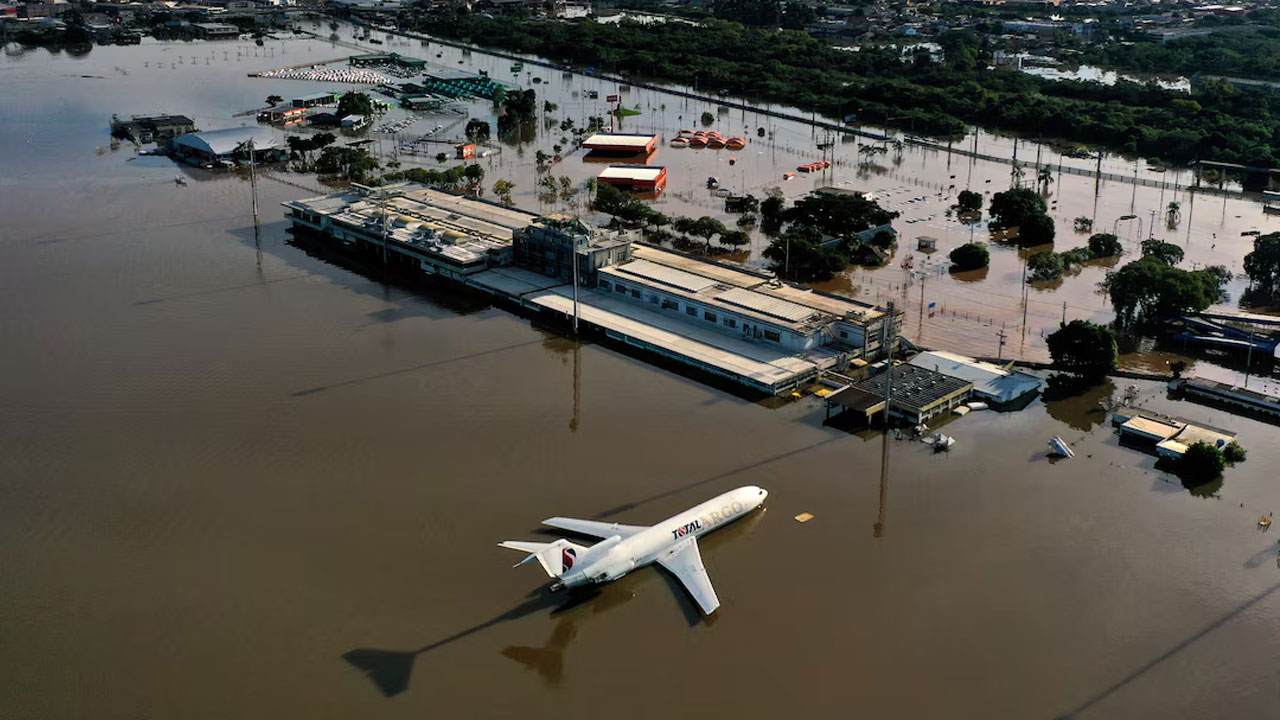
151, 128
466, 151
992, 383
917, 394
215, 31
223, 145
42, 10
621, 143
636, 178
1168, 437
316, 99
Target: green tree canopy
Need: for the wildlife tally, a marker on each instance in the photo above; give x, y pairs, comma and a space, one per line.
1012, 208
1161, 251
968, 201
1147, 288
1083, 348
970, 256
798, 254
1044, 266
477, 130
355, 103
1201, 462
837, 215
1263, 267
1104, 245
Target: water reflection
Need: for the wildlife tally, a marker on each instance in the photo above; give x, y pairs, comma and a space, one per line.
1075, 403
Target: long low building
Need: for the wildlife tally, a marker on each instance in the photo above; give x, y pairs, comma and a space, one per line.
443, 233
637, 178
1168, 436
621, 143
728, 321
916, 394
219, 146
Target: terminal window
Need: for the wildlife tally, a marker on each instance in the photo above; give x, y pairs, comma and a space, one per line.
844, 334
635, 293
771, 335
604, 284
691, 310
709, 316
619, 287
730, 322
670, 304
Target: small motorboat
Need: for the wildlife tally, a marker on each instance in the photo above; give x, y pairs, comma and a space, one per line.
679, 142
180, 180
1264, 522
942, 442
1058, 446
713, 182
788, 175
697, 142
733, 161
715, 143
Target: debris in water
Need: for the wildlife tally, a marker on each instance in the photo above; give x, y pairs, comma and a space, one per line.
804, 517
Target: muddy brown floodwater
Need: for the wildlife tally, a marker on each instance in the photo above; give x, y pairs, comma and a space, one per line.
243, 482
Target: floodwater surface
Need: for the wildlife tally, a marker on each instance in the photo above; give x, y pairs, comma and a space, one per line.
241, 478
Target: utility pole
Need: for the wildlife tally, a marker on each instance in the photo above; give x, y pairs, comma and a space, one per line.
1000, 349
383, 197
1064, 312
887, 341
574, 258
253, 192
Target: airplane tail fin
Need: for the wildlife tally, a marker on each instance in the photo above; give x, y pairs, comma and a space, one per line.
556, 558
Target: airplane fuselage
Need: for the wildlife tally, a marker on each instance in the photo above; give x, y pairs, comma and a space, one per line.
615, 556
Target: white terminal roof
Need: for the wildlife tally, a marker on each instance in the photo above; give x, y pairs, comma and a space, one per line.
620, 140
748, 293
773, 307
647, 173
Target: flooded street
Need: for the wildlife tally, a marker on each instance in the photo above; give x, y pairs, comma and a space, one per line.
245, 479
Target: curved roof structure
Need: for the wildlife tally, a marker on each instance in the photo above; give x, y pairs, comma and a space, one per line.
224, 142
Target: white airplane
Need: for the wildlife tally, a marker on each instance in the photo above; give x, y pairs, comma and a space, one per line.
672, 543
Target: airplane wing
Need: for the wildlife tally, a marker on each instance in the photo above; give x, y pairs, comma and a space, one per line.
685, 563
594, 528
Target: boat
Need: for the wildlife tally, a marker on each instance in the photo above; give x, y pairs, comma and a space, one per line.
697, 142
942, 442
679, 142
735, 143
715, 143
713, 182
180, 180
788, 175
1264, 522
1058, 446
733, 161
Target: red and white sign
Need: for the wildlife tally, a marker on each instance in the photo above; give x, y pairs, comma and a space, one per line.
613, 98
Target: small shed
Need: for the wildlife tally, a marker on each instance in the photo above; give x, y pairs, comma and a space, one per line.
924, 243
466, 151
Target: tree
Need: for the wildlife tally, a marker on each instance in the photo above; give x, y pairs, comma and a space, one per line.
1233, 453
1263, 267
274, 100
1161, 251
1201, 462
502, 190
798, 254
1043, 178
1083, 224
1147, 289
970, 256
1036, 230
1083, 348
1104, 245
735, 238
355, 103
969, 201
474, 175
346, 162
771, 213
707, 227
477, 130
1045, 266
708, 118
1011, 208
838, 215
1173, 214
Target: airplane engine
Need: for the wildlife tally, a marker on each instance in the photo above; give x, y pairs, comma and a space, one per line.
615, 570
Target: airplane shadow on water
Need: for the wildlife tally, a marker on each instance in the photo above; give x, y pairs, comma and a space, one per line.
391, 670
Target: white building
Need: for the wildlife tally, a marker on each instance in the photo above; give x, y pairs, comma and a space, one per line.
993, 383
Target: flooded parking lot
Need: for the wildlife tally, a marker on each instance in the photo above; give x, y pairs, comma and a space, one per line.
244, 481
